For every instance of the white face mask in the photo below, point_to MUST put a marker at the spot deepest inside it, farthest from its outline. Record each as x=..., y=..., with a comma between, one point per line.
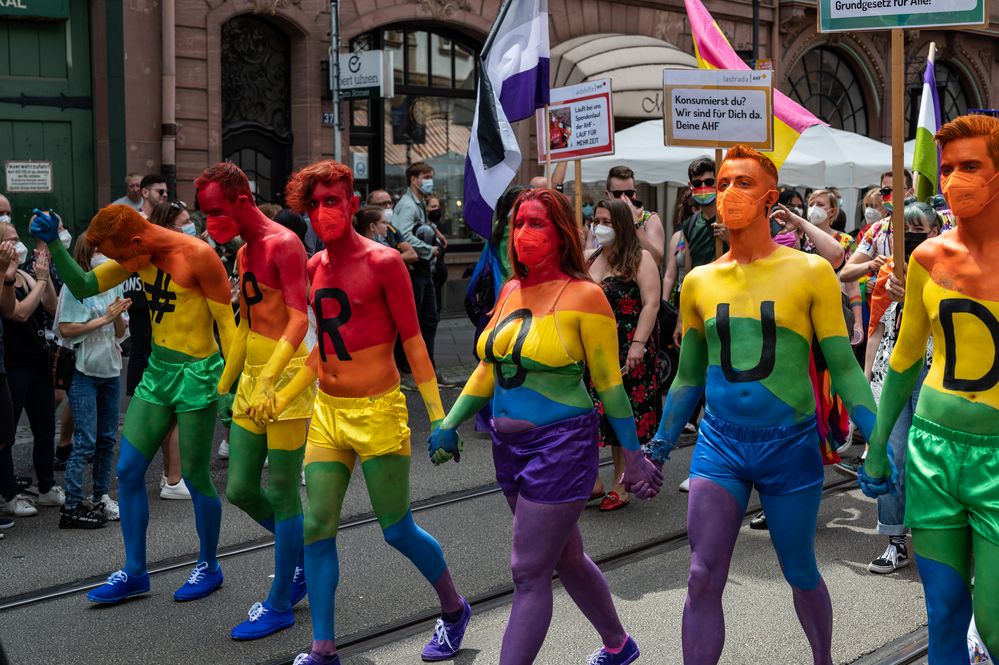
x=65, y=237
x=817, y=215
x=427, y=185
x=872, y=215
x=387, y=214
x=797, y=211
x=22, y=252
x=97, y=259
x=5, y=219
x=189, y=229
x=604, y=234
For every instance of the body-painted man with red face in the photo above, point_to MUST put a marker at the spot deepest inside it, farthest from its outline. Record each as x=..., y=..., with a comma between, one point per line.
x=952, y=468
x=748, y=323
x=188, y=292
x=550, y=320
x=268, y=349
x=363, y=300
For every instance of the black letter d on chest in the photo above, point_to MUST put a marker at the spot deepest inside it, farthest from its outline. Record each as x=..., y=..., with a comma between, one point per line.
x=768, y=352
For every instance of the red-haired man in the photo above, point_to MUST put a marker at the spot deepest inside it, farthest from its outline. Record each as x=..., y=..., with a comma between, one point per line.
x=188, y=292
x=362, y=299
x=268, y=349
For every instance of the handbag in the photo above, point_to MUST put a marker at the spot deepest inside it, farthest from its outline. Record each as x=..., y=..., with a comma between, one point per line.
x=62, y=364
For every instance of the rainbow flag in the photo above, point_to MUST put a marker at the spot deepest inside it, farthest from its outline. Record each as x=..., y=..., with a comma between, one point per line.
x=714, y=52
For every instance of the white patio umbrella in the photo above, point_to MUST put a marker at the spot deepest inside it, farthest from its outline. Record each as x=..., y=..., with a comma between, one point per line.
x=822, y=156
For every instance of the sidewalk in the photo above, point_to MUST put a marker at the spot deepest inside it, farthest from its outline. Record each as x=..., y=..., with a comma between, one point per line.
x=453, y=348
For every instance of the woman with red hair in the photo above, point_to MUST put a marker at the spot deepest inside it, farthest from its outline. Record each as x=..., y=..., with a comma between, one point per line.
x=550, y=321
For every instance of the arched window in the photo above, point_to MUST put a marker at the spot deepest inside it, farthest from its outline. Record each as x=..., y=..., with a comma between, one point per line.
x=428, y=120
x=826, y=84
x=953, y=93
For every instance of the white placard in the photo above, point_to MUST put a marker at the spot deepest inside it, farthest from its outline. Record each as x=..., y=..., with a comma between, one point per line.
x=581, y=122
x=366, y=74
x=842, y=15
x=718, y=108
x=22, y=177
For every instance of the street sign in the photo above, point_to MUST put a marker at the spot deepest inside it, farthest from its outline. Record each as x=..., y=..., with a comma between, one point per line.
x=366, y=74
x=717, y=108
x=34, y=8
x=24, y=177
x=581, y=122
x=841, y=15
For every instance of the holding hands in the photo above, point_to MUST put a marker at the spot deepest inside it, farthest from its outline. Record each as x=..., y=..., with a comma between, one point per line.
x=444, y=444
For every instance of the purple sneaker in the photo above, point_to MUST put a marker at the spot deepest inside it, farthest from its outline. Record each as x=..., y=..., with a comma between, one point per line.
x=628, y=654
x=446, y=640
x=309, y=659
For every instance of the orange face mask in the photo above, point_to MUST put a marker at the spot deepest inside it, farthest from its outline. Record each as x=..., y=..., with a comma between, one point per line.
x=738, y=209
x=967, y=193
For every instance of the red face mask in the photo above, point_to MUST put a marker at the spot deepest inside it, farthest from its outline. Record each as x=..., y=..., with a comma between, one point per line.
x=329, y=223
x=534, y=245
x=221, y=228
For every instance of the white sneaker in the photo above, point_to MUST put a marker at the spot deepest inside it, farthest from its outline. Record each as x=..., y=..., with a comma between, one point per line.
x=178, y=491
x=108, y=507
x=19, y=506
x=685, y=485
x=224, y=449
x=54, y=498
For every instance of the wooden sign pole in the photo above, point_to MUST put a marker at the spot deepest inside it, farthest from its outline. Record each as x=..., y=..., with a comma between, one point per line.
x=718, y=161
x=577, y=171
x=548, y=148
x=897, y=149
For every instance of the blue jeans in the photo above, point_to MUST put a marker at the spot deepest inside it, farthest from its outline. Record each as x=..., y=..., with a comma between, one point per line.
x=891, y=509
x=95, y=404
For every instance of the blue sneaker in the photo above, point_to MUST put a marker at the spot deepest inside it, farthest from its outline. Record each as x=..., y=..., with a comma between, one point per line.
x=298, y=588
x=201, y=583
x=263, y=621
x=446, y=640
x=120, y=585
x=309, y=659
x=629, y=654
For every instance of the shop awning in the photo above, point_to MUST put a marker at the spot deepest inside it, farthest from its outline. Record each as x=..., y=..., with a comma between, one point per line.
x=634, y=63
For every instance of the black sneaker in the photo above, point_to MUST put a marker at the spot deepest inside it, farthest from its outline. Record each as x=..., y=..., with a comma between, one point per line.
x=80, y=518
x=848, y=467
x=759, y=522
x=6, y=523
x=895, y=557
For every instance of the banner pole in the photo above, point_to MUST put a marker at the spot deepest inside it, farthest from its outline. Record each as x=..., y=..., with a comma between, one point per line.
x=718, y=161
x=897, y=149
x=577, y=172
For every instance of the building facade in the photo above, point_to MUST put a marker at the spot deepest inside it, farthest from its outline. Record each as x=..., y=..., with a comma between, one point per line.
x=101, y=88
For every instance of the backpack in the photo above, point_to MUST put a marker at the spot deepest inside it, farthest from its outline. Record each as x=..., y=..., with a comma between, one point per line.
x=484, y=286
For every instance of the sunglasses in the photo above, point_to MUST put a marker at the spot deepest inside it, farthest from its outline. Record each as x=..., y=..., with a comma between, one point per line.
x=886, y=191
x=618, y=193
x=178, y=205
x=707, y=182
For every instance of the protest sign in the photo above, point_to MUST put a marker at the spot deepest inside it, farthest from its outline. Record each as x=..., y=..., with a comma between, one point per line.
x=581, y=122
x=717, y=108
x=839, y=15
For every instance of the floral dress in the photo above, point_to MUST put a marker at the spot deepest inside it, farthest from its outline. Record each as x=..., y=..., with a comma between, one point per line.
x=641, y=383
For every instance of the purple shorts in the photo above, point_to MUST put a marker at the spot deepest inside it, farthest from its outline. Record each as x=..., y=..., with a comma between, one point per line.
x=555, y=463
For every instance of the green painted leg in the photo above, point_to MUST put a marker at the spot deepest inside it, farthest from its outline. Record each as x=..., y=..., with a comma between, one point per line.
x=247, y=452
x=987, y=592
x=325, y=485
x=196, y=431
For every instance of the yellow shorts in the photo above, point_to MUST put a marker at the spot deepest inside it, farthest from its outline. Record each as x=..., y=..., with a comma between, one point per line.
x=300, y=408
x=369, y=426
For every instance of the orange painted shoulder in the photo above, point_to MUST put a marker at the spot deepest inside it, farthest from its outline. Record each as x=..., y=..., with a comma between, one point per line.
x=584, y=296
x=951, y=265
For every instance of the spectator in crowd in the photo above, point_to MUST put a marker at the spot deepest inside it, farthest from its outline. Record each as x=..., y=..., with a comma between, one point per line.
x=921, y=222
x=95, y=326
x=292, y=221
x=409, y=215
x=370, y=223
x=174, y=216
x=621, y=185
x=874, y=248
x=439, y=265
x=701, y=229
x=154, y=192
x=26, y=359
x=8, y=255
x=270, y=210
x=629, y=278
x=133, y=196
